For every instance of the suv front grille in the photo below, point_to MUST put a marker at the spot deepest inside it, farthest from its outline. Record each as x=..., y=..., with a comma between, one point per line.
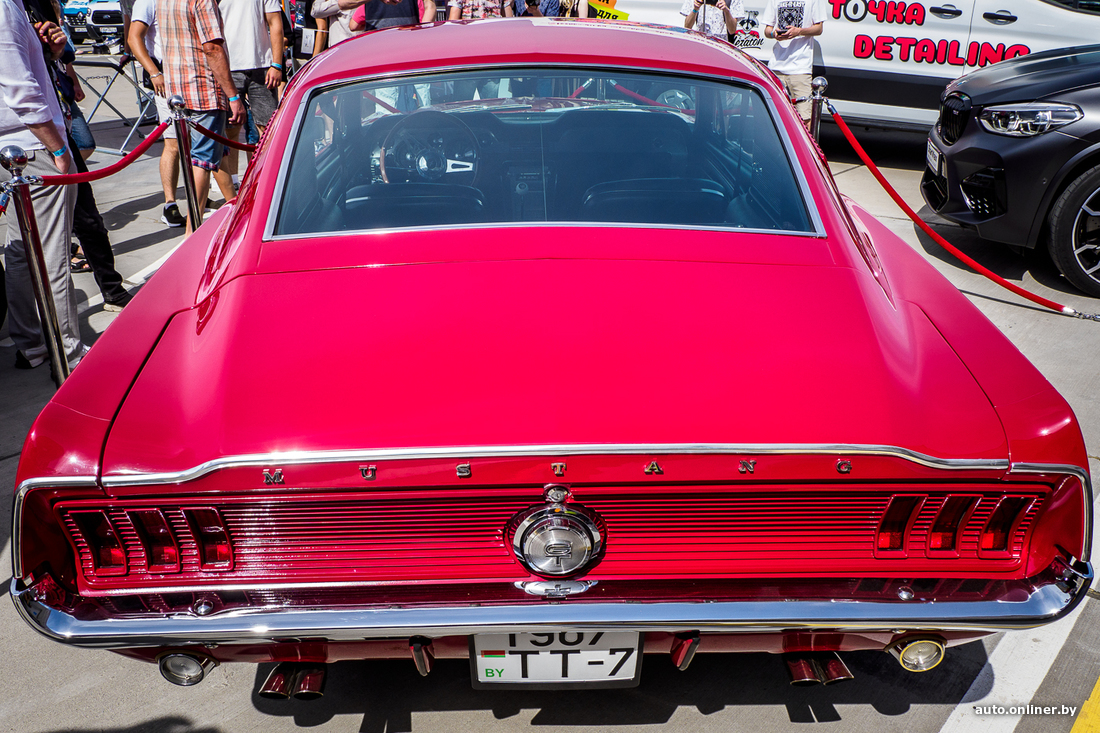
x=954, y=114
x=107, y=17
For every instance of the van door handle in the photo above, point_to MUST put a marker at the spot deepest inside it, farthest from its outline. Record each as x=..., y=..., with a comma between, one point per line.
x=947, y=11
x=1001, y=17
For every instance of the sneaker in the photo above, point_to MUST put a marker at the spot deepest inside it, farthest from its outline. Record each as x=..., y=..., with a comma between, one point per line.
x=172, y=216
x=114, y=306
x=31, y=358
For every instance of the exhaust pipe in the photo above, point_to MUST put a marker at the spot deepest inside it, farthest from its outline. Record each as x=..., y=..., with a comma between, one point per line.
x=831, y=668
x=801, y=669
x=809, y=669
x=918, y=654
x=309, y=684
x=279, y=681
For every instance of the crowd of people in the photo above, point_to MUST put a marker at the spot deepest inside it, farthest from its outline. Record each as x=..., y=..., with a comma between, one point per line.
x=228, y=60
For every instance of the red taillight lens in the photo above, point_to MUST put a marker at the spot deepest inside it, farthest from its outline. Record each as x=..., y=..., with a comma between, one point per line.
x=998, y=530
x=161, y=553
x=945, y=530
x=104, y=543
x=895, y=523
x=212, y=538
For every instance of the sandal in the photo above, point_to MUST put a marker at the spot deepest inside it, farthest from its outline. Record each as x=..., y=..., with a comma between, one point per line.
x=79, y=264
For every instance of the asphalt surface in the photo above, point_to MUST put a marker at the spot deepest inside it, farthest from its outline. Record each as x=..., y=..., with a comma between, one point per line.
x=45, y=686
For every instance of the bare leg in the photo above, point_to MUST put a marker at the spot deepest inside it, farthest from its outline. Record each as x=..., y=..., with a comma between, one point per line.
x=229, y=162
x=202, y=190
x=170, y=169
x=85, y=154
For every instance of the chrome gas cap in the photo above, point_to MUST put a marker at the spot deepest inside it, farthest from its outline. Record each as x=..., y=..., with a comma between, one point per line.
x=556, y=539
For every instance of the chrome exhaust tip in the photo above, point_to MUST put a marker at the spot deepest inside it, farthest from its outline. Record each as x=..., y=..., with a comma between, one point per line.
x=918, y=654
x=185, y=670
x=309, y=684
x=279, y=681
x=423, y=654
x=831, y=668
x=801, y=670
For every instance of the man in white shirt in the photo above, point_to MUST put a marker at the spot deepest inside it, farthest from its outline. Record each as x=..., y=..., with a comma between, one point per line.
x=793, y=24
x=31, y=117
x=254, y=42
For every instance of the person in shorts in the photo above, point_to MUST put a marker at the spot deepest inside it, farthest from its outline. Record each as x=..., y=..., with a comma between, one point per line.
x=793, y=24
x=197, y=69
x=145, y=47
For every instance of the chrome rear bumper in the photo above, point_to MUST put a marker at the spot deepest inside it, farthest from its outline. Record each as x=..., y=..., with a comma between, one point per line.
x=1043, y=603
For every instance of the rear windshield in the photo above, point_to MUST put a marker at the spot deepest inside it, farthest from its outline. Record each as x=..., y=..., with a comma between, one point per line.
x=539, y=146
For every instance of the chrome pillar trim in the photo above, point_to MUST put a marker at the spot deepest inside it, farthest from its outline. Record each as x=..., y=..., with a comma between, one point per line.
x=566, y=449
x=1044, y=604
x=1086, y=481
x=17, y=509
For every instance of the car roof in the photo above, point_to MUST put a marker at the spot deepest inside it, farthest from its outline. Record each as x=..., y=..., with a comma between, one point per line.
x=538, y=41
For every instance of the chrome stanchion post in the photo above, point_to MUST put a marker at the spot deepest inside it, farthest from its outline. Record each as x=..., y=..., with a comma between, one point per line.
x=817, y=101
x=14, y=159
x=183, y=140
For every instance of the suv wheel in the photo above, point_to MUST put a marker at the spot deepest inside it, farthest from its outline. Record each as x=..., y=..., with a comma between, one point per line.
x=1075, y=232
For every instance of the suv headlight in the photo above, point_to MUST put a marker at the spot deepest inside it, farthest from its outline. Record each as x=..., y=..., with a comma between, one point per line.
x=1027, y=120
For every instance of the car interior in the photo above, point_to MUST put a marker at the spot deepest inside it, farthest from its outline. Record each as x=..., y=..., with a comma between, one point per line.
x=549, y=147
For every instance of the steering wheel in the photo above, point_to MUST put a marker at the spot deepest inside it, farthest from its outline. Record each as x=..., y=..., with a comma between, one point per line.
x=429, y=146
x=676, y=98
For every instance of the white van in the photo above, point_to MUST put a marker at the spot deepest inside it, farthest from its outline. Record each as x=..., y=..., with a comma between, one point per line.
x=887, y=61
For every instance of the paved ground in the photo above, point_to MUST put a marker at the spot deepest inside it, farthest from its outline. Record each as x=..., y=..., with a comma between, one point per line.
x=46, y=687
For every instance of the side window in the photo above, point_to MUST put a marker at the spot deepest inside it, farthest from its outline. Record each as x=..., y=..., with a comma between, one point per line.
x=1081, y=6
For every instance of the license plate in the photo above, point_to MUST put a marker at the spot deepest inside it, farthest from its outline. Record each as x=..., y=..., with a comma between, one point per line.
x=589, y=659
x=934, y=157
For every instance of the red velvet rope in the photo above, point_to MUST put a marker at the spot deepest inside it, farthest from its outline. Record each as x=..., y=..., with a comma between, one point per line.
x=938, y=239
x=223, y=140
x=61, y=180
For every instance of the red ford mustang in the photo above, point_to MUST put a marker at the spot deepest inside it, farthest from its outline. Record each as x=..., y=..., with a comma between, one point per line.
x=546, y=345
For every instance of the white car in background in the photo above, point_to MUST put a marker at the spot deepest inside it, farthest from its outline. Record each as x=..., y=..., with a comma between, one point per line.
x=888, y=61
x=105, y=21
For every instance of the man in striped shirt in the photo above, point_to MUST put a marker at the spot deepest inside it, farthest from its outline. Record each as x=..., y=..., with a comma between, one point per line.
x=196, y=67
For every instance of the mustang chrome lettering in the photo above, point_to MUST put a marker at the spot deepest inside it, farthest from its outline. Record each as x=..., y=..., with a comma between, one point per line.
x=843, y=466
x=746, y=467
x=368, y=472
x=273, y=478
x=464, y=470
x=654, y=467
x=558, y=469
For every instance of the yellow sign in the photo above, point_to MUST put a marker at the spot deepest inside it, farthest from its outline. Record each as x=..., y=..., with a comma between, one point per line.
x=605, y=11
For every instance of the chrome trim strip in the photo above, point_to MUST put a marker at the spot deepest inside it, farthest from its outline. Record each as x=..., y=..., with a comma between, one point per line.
x=1043, y=605
x=284, y=164
x=545, y=225
x=1086, y=481
x=17, y=510
x=565, y=449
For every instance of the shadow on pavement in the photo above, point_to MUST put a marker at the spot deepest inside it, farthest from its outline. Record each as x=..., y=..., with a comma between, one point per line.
x=388, y=693
x=1000, y=258
x=167, y=724
x=888, y=149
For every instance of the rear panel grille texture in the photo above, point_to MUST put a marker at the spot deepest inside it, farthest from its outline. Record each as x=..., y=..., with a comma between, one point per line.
x=459, y=536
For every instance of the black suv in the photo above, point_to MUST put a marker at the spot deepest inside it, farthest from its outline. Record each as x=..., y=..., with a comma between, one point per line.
x=1016, y=156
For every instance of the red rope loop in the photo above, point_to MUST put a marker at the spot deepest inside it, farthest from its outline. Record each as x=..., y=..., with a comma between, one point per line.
x=223, y=140
x=1038, y=299
x=62, y=180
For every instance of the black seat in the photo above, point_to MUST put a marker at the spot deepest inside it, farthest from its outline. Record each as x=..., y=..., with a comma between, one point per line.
x=390, y=205
x=656, y=201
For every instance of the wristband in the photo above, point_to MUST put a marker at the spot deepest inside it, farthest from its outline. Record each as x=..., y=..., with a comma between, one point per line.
x=60, y=151
x=159, y=73
x=235, y=98
x=277, y=66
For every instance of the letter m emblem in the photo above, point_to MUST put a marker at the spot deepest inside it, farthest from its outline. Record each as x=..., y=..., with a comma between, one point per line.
x=273, y=478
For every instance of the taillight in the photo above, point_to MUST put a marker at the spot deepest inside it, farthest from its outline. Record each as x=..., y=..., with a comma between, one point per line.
x=944, y=534
x=104, y=543
x=161, y=552
x=212, y=538
x=895, y=523
x=998, y=530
